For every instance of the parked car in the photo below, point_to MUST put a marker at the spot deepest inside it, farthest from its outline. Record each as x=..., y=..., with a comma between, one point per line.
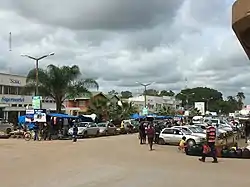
x=204, y=126
x=6, y=127
x=86, y=129
x=106, y=128
x=192, y=129
x=174, y=135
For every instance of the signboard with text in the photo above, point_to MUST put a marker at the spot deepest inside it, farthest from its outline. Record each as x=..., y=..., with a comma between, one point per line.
x=6, y=99
x=36, y=115
x=200, y=106
x=40, y=115
x=36, y=102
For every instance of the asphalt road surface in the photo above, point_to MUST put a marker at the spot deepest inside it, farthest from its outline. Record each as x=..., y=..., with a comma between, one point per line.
x=117, y=161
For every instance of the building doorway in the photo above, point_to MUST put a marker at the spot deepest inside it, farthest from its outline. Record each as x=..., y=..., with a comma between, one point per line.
x=12, y=117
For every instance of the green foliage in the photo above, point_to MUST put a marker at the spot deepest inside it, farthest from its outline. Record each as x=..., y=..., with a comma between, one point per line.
x=167, y=93
x=194, y=112
x=106, y=110
x=113, y=92
x=165, y=111
x=153, y=92
x=212, y=98
x=59, y=83
x=126, y=94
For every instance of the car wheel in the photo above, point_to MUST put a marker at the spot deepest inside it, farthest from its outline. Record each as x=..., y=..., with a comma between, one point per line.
x=161, y=141
x=191, y=142
x=85, y=134
x=97, y=133
x=8, y=131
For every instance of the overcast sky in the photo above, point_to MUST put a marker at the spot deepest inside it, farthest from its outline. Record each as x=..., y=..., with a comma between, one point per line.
x=119, y=42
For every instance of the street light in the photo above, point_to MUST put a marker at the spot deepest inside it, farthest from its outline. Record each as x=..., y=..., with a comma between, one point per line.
x=187, y=97
x=37, y=61
x=145, y=90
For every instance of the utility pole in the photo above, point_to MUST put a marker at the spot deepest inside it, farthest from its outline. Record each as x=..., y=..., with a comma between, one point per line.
x=37, y=63
x=145, y=90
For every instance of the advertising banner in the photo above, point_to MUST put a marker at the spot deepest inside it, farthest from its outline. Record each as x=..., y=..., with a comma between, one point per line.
x=40, y=115
x=36, y=102
x=200, y=106
x=35, y=115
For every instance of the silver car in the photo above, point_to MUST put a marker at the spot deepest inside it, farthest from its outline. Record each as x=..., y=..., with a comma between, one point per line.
x=6, y=127
x=86, y=129
x=174, y=135
x=106, y=128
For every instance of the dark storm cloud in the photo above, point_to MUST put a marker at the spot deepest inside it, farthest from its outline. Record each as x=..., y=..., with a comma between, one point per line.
x=120, y=42
x=98, y=14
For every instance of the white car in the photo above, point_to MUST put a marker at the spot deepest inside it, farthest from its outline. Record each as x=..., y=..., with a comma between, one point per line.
x=86, y=129
x=222, y=125
x=204, y=127
x=174, y=135
x=193, y=130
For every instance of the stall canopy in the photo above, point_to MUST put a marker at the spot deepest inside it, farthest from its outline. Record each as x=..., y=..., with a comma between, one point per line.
x=136, y=116
x=62, y=115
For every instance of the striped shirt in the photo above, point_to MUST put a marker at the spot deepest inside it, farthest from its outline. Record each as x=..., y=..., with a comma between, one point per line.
x=211, y=134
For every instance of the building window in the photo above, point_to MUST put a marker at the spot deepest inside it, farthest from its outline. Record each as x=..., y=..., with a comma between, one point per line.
x=14, y=105
x=1, y=89
x=13, y=90
x=20, y=105
x=19, y=91
x=6, y=90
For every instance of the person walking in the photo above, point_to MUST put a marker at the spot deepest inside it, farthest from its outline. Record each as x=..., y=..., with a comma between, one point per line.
x=75, y=132
x=45, y=131
x=211, y=138
x=150, y=134
x=36, y=130
x=157, y=133
x=142, y=132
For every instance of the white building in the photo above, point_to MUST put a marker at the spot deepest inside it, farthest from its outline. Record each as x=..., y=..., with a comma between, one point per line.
x=12, y=102
x=154, y=103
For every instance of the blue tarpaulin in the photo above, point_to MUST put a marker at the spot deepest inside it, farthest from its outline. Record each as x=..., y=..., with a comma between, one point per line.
x=61, y=115
x=136, y=116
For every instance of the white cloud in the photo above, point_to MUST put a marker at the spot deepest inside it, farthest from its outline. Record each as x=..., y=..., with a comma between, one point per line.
x=121, y=42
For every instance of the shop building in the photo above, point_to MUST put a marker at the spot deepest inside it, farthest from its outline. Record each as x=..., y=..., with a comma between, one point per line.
x=12, y=102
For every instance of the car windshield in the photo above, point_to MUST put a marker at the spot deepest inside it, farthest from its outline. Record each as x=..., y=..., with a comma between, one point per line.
x=193, y=129
x=101, y=124
x=187, y=132
x=214, y=121
x=196, y=129
x=82, y=124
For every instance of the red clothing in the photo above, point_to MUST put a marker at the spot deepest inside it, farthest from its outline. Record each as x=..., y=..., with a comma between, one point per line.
x=150, y=131
x=211, y=134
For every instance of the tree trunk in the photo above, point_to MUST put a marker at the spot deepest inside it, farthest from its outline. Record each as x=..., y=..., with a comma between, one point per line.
x=58, y=105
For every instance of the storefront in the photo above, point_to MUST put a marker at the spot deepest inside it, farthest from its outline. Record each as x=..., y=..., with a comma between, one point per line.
x=13, y=106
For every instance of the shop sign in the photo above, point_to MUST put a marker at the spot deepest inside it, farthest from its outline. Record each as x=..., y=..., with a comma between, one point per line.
x=12, y=100
x=15, y=81
x=36, y=102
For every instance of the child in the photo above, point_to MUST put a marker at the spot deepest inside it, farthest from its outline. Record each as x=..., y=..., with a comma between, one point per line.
x=182, y=144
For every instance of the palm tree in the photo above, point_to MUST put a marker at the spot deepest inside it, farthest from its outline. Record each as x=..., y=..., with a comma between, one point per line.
x=59, y=83
x=240, y=97
x=230, y=99
x=99, y=106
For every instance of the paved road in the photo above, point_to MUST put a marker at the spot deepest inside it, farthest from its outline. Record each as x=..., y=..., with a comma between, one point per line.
x=111, y=162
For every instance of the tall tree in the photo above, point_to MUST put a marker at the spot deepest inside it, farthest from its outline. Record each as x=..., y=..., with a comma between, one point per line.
x=113, y=92
x=126, y=94
x=59, y=83
x=151, y=92
x=240, y=97
x=207, y=95
x=167, y=93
